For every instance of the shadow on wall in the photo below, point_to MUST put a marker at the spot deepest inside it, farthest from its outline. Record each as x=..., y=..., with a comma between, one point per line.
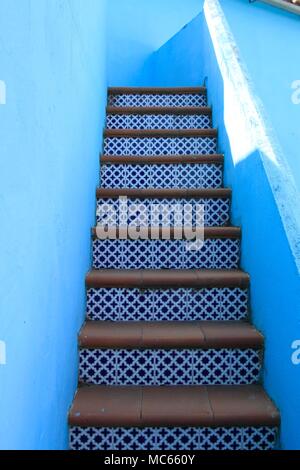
x=272, y=56
x=266, y=253
x=275, y=284
x=180, y=61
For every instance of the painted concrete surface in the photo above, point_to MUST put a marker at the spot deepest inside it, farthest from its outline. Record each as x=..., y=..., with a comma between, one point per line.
x=53, y=64
x=136, y=29
x=180, y=61
x=266, y=251
x=271, y=53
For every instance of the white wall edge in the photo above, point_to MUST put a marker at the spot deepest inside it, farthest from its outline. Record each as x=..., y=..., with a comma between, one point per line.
x=2, y=353
x=283, y=5
x=262, y=135
x=2, y=92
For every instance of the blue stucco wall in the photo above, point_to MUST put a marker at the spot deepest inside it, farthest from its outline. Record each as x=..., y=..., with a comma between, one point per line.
x=53, y=66
x=269, y=55
x=136, y=29
x=272, y=55
x=53, y=62
x=180, y=61
x=266, y=252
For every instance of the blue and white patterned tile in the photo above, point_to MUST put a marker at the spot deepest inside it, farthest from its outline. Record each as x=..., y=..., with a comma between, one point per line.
x=157, y=121
x=148, y=100
x=169, y=367
x=188, y=438
x=162, y=176
x=112, y=304
x=216, y=212
x=152, y=146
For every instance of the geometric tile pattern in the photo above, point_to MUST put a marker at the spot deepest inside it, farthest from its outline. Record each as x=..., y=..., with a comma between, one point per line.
x=161, y=367
x=120, y=304
x=189, y=176
x=157, y=121
x=133, y=100
x=165, y=254
x=216, y=212
x=170, y=367
x=152, y=146
x=188, y=438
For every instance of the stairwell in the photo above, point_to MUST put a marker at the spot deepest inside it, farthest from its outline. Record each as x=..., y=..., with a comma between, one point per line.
x=168, y=357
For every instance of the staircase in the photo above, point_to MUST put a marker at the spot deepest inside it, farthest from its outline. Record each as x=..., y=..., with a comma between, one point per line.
x=168, y=358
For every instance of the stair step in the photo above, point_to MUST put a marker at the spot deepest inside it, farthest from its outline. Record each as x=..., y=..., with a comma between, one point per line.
x=162, y=159
x=238, y=417
x=165, y=133
x=165, y=193
x=210, y=233
x=170, y=353
x=145, y=295
x=170, y=278
x=163, y=176
x=173, y=406
x=160, y=97
x=170, y=335
x=157, y=90
x=165, y=202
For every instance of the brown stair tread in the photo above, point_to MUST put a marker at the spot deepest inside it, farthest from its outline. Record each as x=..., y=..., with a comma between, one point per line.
x=162, y=159
x=140, y=133
x=99, y=406
x=209, y=232
x=182, y=110
x=168, y=335
x=157, y=90
x=218, y=193
x=167, y=278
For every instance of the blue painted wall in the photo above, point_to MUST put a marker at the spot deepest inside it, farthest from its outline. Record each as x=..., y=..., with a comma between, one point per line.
x=50, y=139
x=272, y=55
x=136, y=29
x=269, y=54
x=53, y=62
x=266, y=253
x=180, y=61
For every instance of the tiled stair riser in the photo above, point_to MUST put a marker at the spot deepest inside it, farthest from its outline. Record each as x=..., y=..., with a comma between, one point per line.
x=148, y=100
x=168, y=176
x=156, y=121
x=170, y=367
x=165, y=254
x=149, y=212
x=178, y=438
x=151, y=146
x=118, y=304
